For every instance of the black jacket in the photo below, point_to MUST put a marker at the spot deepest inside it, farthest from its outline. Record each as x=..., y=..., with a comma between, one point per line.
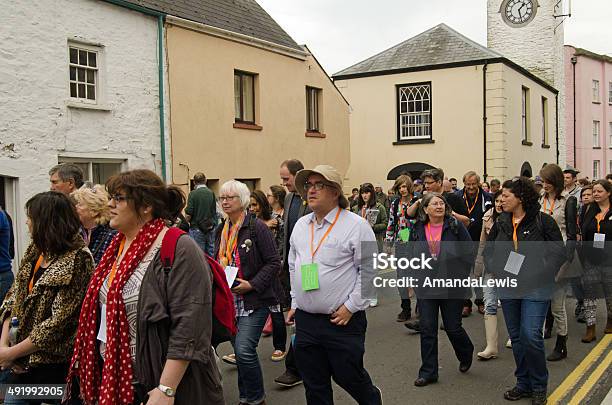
x=482, y=205
x=539, y=240
x=259, y=262
x=587, y=252
x=456, y=258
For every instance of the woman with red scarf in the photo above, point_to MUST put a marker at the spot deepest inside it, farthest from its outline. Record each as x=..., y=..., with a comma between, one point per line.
x=144, y=333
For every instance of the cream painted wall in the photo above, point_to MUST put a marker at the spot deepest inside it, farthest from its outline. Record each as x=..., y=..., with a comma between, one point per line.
x=201, y=79
x=456, y=124
x=516, y=153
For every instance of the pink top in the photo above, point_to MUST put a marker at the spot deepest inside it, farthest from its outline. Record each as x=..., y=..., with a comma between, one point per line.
x=433, y=233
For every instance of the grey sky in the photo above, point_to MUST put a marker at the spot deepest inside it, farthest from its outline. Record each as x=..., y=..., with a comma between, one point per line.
x=343, y=32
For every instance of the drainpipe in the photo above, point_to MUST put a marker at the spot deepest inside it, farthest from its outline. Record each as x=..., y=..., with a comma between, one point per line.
x=574, y=60
x=557, y=125
x=160, y=69
x=484, y=119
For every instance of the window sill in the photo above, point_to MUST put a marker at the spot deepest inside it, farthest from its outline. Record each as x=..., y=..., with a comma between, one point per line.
x=596, y=102
x=527, y=143
x=87, y=106
x=315, y=134
x=544, y=146
x=244, y=125
x=596, y=147
x=413, y=141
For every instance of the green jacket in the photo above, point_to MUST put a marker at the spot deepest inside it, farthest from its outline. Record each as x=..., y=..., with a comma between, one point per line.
x=202, y=208
x=380, y=226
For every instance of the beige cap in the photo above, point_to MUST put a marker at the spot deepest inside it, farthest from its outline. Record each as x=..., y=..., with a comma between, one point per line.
x=329, y=173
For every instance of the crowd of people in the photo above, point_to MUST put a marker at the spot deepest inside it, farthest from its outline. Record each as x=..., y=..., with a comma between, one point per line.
x=112, y=299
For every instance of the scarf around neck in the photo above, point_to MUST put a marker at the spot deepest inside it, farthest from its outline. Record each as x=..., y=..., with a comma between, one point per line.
x=229, y=240
x=112, y=385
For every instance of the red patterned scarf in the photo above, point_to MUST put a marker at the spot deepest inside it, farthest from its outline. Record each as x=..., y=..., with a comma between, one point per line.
x=113, y=384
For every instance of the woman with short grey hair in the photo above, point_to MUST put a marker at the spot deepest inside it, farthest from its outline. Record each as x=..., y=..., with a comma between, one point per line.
x=245, y=247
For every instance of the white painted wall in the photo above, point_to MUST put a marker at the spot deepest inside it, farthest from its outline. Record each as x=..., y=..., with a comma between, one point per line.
x=37, y=126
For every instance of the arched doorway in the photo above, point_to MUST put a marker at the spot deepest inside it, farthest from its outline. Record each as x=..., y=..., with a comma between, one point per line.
x=526, y=170
x=414, y=169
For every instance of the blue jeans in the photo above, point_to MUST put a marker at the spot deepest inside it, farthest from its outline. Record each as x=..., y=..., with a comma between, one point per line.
x=524, y=320
x=6, y=281
x=250, y=376
x=490, y=298
x=204, y=240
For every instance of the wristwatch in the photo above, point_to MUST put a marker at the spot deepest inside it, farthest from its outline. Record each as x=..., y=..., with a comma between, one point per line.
x=169, y=392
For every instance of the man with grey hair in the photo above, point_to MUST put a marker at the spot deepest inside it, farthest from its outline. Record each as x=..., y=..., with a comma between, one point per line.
x=325, y=265
x=201, y=213
x=65, y=178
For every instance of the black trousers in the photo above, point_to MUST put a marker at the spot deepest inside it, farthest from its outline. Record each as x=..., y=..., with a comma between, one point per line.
x=451, y=316
x=324, y=351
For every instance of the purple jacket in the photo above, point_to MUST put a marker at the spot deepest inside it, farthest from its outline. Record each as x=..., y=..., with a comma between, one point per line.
x=260, y=263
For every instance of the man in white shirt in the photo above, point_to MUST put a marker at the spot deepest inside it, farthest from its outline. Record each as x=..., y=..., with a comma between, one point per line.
x=327, y=304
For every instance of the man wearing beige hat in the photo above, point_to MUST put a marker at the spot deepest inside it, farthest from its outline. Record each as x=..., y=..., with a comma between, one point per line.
x=325, y=267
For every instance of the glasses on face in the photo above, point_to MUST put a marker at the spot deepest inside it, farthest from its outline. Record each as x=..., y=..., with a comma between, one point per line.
x=429, y=183
x=227, y=198
x=119, y=197
x=437, y=204
x=319, y=185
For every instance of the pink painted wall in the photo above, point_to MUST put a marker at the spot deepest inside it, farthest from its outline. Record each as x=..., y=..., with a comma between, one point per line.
x=587, y=111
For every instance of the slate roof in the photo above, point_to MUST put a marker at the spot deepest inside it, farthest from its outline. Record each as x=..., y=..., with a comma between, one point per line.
x=240, y=16
x=440, y=45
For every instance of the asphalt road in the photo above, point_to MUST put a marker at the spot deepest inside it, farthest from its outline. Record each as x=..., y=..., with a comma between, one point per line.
x=393, y=359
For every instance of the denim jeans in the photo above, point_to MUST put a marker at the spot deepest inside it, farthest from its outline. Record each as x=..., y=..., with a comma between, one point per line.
x=490, y=298
x=6, y=281
x=250, y=376
x=204, y=240
x=524, y=320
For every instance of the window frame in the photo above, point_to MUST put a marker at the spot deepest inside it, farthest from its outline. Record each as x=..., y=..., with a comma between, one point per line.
x=400, y=140
x=525, y=116
x=596, y=134
x=316, y=109
x=596, y=169
x=545, y=125
x=596, y=90
x=98, y=70
x=610, y=136
x=90, y=161
x=242, y=74
x=610, y=93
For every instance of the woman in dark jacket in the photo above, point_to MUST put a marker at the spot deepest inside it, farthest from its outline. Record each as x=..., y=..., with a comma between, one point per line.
x=145, y=331
x=518, y=234
x=597, y=256
x=245, y=246
x=451, y=261
x=46, y=296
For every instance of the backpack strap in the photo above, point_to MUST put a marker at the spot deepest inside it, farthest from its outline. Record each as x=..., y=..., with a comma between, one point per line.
x=168, y=247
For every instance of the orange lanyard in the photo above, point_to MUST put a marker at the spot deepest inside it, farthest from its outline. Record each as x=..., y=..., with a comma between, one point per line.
x=36, y=268
x=111, y=276
x=546, y=203
x=475, y=201
x=514, y=235
x=599, y=217
x=363, y=212
x=433, y=239
x=313, y=251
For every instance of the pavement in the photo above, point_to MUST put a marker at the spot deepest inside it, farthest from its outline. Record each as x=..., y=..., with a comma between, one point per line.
x=393, y=358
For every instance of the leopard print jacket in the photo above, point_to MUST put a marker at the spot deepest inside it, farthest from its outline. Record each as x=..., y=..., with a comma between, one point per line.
x=49, y=315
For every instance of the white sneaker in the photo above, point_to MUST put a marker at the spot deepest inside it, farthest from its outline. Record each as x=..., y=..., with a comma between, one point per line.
x=509, y=344
x=373, y=302
x=229, y=359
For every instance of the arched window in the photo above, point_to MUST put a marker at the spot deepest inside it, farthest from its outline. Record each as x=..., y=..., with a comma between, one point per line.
x=414, y=111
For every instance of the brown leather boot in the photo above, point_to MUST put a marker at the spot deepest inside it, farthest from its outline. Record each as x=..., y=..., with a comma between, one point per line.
x=590, y=334
x=609, y=326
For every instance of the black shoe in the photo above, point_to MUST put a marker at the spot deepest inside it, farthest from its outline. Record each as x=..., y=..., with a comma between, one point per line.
x=539, y=398
x=579, y=309
x=560, y=350
x=288, y=380
x=403, y=316
x=515, y=394
x=414, y=326
x=464, y=366
x=421, y=382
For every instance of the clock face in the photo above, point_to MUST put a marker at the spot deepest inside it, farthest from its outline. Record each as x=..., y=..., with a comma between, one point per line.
x=518, y=13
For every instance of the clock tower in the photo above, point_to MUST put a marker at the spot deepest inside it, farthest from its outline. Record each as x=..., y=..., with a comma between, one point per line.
x=530, y=33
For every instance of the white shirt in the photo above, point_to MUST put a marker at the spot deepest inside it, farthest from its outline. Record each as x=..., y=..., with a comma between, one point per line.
x=338, y=259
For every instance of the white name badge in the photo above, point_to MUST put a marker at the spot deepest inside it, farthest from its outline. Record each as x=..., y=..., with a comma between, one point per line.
x=514, y=263
x=102, y=330
x=599, y=241
x=230, y=274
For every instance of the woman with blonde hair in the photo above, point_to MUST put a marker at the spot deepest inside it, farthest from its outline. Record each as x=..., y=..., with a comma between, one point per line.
x=94, y=214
